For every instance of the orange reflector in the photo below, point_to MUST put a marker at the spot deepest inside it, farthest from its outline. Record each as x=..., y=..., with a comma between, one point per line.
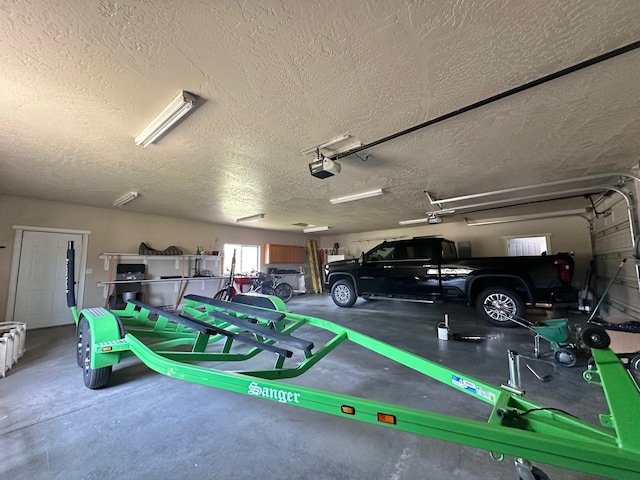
x=107, y=349
x=386, y=418
x=348, y=410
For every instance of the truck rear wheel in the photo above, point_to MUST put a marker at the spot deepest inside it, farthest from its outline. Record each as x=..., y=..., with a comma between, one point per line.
x=343, y=293
x=497, y=305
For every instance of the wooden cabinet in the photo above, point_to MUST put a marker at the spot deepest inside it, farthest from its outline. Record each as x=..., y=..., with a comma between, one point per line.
x=289, y=254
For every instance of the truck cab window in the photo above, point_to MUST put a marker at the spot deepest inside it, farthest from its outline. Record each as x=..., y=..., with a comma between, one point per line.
x=385, y=252
x=448, y=251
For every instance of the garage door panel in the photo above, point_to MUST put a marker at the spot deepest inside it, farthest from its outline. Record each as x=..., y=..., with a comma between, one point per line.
x=613, y=241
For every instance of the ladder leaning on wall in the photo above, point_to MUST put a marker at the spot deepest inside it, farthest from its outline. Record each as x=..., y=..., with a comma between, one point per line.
x=316, y=279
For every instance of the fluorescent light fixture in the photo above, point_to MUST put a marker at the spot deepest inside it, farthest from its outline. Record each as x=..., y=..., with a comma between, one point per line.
x=315, y=229
x=524, y=218
x=431, y=220
x=126, y=198
x=357, y=196
x=250, y=218
x=172, y=113
x=333, y=141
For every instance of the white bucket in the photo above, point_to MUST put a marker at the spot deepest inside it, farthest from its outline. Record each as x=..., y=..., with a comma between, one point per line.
x=443, y=331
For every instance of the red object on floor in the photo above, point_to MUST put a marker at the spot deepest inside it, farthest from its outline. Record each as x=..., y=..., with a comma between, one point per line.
x=243, y=282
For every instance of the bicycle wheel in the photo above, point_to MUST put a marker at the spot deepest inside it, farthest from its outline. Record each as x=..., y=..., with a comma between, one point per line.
x=221, y=295
x=284, y=291
x=265, y=290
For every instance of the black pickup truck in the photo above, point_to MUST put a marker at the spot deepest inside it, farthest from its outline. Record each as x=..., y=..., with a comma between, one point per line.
x=429, y=270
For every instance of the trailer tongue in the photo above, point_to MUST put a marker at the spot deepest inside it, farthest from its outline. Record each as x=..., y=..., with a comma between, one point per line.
x=208, y=330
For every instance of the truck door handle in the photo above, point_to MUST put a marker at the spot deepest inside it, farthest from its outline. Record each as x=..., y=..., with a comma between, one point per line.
x=388, y=266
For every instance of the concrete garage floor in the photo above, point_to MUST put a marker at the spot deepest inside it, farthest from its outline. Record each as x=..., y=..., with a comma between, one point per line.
x=147, y=426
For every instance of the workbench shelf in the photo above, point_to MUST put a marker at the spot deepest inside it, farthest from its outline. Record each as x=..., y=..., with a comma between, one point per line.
x=182, y=263
x=215, y=260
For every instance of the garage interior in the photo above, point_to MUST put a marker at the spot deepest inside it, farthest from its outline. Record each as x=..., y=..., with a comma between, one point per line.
x=483, y=123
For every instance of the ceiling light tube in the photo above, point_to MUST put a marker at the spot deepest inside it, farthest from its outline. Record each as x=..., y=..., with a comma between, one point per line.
x=172, y=113
x=315, y=229
x=339, y=139
x=126, y=198
x=432, y=219
x=357, y=196
x=250, y=218
x=522, y=218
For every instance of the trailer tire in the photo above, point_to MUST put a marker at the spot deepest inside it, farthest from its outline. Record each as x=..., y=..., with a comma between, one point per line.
x=94, y=378
x=79, y=348
x=538, y=474
x=634, y=363
x=497, y=305
x=343, y=293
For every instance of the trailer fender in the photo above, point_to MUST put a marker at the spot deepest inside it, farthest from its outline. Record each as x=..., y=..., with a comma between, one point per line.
x=104, y=326
x=260, y=300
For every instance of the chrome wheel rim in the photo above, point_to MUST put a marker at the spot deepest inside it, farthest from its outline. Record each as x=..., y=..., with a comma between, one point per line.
x=342, y=293
x=500, y=307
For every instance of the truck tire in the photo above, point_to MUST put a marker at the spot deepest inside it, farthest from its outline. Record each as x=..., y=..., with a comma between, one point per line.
x=343, y=293
x=497, y=305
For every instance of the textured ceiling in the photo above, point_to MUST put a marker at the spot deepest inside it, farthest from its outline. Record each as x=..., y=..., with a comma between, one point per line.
x=80, y=79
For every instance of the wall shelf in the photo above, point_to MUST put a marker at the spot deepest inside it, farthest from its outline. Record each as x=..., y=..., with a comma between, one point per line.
x=176, y=281
x=182, y=263
x=216, y=259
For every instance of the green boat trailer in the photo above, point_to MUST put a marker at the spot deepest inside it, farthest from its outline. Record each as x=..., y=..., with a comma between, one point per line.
x=208, y=330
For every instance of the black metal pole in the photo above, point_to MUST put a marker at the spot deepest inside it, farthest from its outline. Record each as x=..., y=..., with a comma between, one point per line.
x=70, y=274
x=494, y=98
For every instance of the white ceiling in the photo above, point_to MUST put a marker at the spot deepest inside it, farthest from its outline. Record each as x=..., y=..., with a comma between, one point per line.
x=80, y=79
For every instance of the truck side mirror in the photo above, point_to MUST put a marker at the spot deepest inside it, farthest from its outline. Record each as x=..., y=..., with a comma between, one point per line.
x=361, y=259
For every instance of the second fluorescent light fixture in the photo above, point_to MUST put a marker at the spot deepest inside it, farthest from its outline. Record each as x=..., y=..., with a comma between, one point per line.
x=250, y=218
x=315, y=229
x=126, y=198
x=357, y=196
x=432, y=219
x=172, y=113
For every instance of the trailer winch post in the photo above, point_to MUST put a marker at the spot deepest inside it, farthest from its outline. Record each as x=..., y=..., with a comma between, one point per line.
x=70, y=281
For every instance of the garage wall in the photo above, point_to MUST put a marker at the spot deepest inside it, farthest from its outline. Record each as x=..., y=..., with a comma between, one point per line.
x=118, y=231
x=613, y=241
x=567, y=234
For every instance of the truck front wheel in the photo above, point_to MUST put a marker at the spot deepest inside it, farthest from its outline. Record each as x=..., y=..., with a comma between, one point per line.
x=497, y=305
x=343, y=293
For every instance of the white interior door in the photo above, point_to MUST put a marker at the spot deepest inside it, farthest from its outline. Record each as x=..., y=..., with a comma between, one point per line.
x=41, y=286
x=523, y=246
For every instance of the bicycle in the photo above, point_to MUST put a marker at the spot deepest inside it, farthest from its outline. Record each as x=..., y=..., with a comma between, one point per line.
x=260, y=284
x=272, y=287
x=282, y=289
